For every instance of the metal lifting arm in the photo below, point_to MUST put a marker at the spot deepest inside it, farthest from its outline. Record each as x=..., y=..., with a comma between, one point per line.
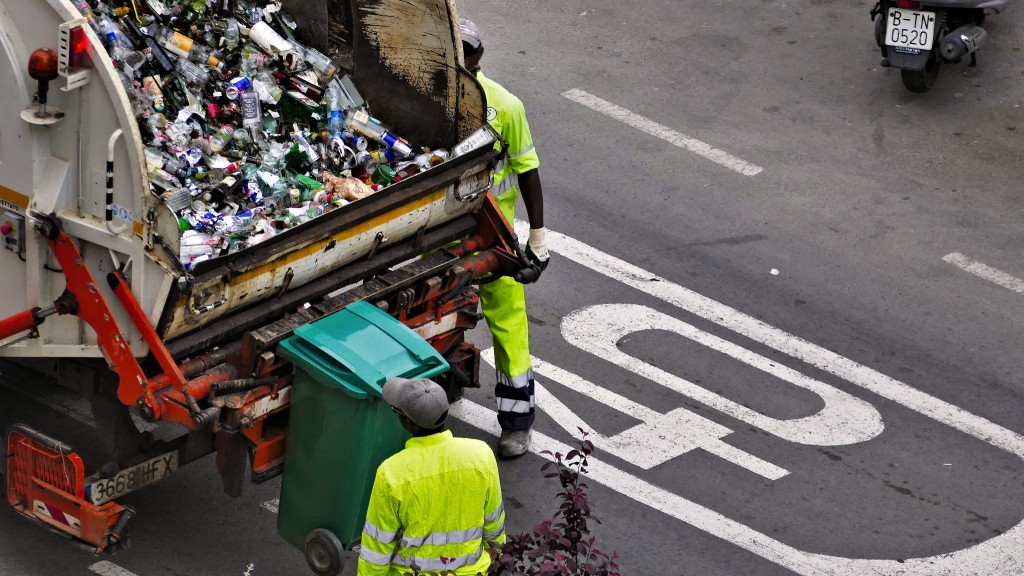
x=25, y=321
x=82, y=298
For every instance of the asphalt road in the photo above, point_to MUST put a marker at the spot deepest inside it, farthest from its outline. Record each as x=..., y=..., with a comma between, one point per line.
x=786, y=370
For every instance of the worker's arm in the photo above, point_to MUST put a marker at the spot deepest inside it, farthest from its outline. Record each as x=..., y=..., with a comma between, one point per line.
x=494, y=509
x=533, y=197
x=525, y=162
x=381, y=532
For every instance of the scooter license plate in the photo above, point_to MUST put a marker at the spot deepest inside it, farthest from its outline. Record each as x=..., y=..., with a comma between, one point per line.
x=914, y=29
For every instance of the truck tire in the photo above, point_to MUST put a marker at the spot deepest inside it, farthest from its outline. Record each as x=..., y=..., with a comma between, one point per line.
x=324, y=552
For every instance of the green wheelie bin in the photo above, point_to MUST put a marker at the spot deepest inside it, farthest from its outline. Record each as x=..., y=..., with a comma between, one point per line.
x=339, y=427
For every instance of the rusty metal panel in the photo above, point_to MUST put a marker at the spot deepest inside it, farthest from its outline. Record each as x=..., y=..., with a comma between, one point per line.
x=406, y=60
x=317, y=19
x=407, y=63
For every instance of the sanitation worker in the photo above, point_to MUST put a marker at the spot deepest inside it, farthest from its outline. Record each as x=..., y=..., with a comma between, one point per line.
x=436, y=504
x=503, y=301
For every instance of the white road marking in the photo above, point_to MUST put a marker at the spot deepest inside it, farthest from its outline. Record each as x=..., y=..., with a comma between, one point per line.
x=664, y=132
x=844, y=418
x=985, y=272
x=108, y=568
x=998, y=556
x=271, y=505
x=656, y=440
x=758, y=331
x=995, y=557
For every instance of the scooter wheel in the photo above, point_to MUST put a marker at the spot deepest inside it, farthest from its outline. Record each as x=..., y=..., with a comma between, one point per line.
x=324, y=553
x=921, y=81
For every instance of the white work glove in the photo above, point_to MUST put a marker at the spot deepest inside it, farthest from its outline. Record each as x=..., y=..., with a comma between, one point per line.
x=537, y=248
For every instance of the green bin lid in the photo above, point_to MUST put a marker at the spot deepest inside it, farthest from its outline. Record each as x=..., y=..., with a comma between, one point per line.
x=360, y=347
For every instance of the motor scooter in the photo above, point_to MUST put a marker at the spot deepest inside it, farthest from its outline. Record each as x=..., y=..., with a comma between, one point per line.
x=918, y=36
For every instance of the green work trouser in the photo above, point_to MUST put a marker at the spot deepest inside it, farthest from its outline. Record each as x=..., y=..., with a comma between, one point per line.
x=503, y=303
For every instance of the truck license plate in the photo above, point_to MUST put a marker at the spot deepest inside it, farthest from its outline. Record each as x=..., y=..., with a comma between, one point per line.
x=131, y=479
x=910, y=29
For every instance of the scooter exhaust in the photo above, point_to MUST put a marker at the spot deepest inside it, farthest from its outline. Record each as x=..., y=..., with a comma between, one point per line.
x=961, y=42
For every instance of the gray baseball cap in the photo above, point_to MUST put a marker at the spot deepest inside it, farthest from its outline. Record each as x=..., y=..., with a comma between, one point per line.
x=470, y=33
x=421, y=400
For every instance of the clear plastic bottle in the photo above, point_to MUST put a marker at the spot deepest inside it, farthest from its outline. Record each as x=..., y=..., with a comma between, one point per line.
x=177, y=199
x=321, y=63
x=336, y=110
x=174, y=42
x=86, y=10
x=193, y=245
x=204, y=55
x=113, y=35
x=139, y=102
x=242, y=138
x=132, y=60
x=192, y=73
x=304, y=145
x=220, y=140
x=267, y=88
x=163, y=178
x=156, y=124
x=185, y=47
x=231, y=34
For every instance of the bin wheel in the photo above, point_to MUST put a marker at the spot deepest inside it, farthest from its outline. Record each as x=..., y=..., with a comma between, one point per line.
x=324, y=552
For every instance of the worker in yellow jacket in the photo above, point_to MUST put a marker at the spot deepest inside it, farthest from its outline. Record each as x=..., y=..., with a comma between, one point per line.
x=503, y=301
x=436, y=505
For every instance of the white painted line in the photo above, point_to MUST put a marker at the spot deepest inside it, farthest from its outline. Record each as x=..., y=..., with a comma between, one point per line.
x=758, y=331
x=985, y=272
x=656, y=440
x=271, y=505
x=995, y=557
x=107, y=568
x=664, y=132
x=730, y=453
x=843, y=419
x=998, y=556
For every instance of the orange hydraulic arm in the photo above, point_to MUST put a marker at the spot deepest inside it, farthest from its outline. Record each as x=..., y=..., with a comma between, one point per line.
x=82, y=298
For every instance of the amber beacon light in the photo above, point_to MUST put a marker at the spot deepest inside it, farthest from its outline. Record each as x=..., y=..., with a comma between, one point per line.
x=42, y=67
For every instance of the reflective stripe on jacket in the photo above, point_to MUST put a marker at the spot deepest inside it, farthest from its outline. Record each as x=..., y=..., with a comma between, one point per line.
x=438, y=498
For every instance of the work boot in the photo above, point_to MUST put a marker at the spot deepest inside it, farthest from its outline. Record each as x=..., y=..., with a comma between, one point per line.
x=514, y=443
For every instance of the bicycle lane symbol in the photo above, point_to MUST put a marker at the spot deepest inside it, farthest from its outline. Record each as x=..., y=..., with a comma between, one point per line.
x=993, y=556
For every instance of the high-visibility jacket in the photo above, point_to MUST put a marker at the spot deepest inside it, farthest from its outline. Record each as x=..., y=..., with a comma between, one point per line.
x=438, y=498
x=507, y=115
x=503, y=302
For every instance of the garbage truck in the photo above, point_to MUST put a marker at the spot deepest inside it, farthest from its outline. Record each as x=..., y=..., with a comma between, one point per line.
x=111, y=163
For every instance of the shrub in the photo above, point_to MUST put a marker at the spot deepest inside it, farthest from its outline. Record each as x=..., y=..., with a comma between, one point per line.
x=562, y=545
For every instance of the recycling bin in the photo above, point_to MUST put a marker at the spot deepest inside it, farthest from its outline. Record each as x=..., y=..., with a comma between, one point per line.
x=340, y=429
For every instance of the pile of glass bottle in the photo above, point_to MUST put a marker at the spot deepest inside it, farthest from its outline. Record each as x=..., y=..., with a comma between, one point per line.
x=247, y=131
